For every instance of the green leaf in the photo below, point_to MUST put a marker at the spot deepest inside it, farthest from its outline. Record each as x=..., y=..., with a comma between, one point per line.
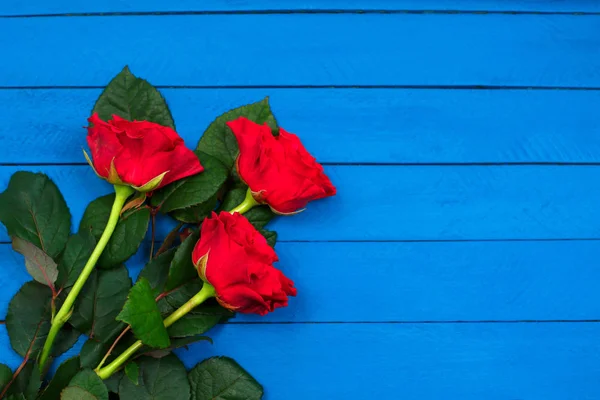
x=128, y=235
x=218, y=140
x=271, y=236
x=160, y=379
x=126, y=239
x=33, y=209
x=182, y=267
x=197, y=190
x=86, y=385
x=5, y=376
x=19, y=396
x=28, y=321
x=259, y=216
x=157, y=270
x=133, y=98
x=132, y=371
x=67, y=337
x=193, y=199
x=171, y=238
x=199, y=321
x=177, y=343
x=141, y=312
x=39, y=264
x=192, y=215
x=79, y=249
x=93, y=351
x=27, y=382
x=96, y=215
x=31, y=381
x=234, y=197
x=99, y=303
x=113, y=382
x=179, y=296
x=223, y=378
x=65, y=372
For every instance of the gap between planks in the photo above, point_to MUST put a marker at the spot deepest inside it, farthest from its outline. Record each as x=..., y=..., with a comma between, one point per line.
x=305, y=11
x=336, y=87
x=371, y=164
x=424, y=322
x=3, y=242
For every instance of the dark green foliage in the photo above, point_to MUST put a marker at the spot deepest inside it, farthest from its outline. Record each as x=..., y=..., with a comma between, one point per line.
x=39, y=264
x=78, y=251
x=86, y=385
x=128, y=235
x=99, y=302
x=65, y=372
x=28, y=321
x=223, y=378
x=182, y=267
x=159, y=379
x=141, y=312
x=218, y=140
x=133, y=98
x=33, y=209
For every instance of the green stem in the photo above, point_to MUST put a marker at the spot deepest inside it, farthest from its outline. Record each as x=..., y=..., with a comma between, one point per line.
x=247, y=204
x=63, y=315
x=205, y=293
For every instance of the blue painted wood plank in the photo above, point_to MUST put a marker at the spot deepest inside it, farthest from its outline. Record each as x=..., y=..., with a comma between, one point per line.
x=17, y=7
x=415, y=361
x=469, y=281
x=315, y=49
x=408, y=361
x=356, y=126
x=414, y=203
x=533, y=361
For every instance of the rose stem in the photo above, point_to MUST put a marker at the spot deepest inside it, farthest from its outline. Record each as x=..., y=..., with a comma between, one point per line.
x=205, y=293
x=25, y=360
x=160, y=296
x=195, y=301
x=114, y=345
x=169, y=240
x=121, y=195
x=153, y=213
x=246, y=205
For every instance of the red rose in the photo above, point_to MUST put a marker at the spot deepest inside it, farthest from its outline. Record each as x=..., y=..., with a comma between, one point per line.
x=235, y=258
x=278, y=169
x=139, y=153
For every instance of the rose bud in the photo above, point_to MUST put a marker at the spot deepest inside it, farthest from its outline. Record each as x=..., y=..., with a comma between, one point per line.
x=278, y=169
x=235, y=258
x=140, y=154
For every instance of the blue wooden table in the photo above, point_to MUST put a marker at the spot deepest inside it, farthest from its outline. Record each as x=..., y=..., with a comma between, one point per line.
x=461, y=257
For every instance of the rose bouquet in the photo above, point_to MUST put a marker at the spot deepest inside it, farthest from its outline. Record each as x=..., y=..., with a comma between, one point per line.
x=218, y=258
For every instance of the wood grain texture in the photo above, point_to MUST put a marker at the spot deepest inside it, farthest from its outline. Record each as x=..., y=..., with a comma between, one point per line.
x=312, y=49
x=17, y=7
x=356, y=126
x=412, y=361
x=412, y=203
x=404, y=282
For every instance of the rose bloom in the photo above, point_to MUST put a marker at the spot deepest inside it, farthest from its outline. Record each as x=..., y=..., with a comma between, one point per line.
x=278, y=169
x=235, y=258
x=139, y=153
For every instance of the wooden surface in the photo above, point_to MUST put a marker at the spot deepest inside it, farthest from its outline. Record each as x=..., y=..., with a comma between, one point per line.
x=460, y=259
